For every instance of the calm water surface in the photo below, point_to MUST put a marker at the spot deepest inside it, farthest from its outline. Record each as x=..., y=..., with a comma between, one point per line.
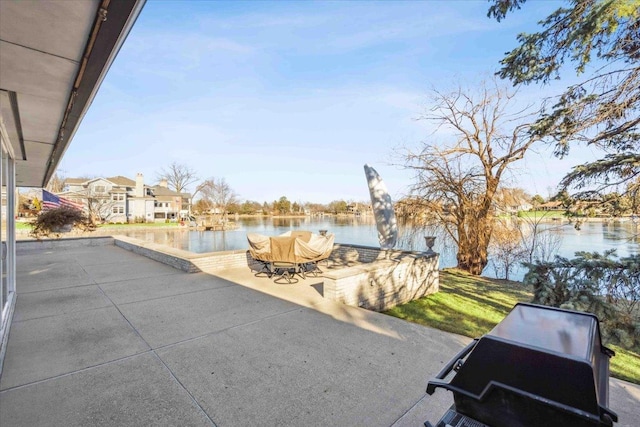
x=593, y=236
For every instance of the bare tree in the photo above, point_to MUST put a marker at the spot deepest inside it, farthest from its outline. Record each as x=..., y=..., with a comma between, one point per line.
x=546, y=245
x=217, y=194
x=56, y=183
x=99, y=206
x=519, y=240
x=457, y=180
x=178, y=176
x=542, y=241
x=507, y=248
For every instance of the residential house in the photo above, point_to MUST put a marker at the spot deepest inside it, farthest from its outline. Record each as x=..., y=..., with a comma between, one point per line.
x=120, y=199
x=358, y=209
x=554, y=205
x=510, y=201
x=169, y=204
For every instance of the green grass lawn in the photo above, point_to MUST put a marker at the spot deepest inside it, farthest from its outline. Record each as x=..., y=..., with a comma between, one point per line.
x=472, y=306
x=541, y=214
x=23, y=226
x=27, y=226
x=146, y=224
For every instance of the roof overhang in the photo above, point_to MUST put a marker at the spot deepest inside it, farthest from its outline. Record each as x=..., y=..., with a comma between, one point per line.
x=53, y=58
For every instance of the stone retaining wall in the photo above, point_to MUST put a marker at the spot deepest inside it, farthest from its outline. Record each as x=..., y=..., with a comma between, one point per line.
x=185, y=260
x=379, y=280
x=23, y=246
x=358, y=254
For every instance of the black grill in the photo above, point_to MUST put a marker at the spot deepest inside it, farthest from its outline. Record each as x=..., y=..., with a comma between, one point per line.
x=539, y=366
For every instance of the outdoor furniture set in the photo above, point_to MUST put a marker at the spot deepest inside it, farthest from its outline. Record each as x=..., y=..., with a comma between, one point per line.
x=290, y=254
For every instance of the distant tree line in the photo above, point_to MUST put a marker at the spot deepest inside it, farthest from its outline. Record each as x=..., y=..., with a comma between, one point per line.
x=215, y=195
x=283, y=206
x=611, y=204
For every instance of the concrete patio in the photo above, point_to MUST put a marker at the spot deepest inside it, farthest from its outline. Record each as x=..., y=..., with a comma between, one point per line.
x=102, y=336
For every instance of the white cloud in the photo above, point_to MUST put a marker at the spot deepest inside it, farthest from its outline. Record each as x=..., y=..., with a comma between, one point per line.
x=264, y=20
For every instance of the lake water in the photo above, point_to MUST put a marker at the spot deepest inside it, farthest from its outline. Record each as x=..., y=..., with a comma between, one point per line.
x=592, y=236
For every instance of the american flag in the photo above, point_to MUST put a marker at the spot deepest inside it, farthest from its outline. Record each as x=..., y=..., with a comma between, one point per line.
x=51, y=201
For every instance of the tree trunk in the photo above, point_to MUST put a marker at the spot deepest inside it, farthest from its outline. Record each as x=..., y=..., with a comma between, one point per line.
x=473, y=246
x=472, y=259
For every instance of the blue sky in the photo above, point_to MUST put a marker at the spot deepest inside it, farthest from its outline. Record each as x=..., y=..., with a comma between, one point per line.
x=293, y=98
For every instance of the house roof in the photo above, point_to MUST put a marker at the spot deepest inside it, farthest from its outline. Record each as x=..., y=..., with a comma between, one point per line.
x=53, y=58
x=75, y=180
x=122, y=180
x=159, y=190
x=116, y=180
x=97, y=179
x=552, y=204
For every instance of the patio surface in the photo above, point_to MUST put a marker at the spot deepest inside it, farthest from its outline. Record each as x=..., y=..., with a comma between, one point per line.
x=102, y=336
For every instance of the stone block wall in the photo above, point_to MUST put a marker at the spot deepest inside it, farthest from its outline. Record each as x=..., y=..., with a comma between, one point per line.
x=172, y=257
x=189, y=261
x=23, y=246
x=349, y=255
x=227, y=259
x=391, y=278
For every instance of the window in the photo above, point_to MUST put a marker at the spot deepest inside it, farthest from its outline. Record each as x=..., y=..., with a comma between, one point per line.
x=121, y=209
x=99, y=188
x=115, y=209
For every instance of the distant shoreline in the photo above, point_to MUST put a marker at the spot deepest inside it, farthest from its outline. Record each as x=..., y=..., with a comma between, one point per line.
x=583, y=219
x=175, y=226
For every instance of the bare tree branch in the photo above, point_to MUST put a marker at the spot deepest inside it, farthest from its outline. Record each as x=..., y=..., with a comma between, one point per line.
x=457, y=180
x=178, y=176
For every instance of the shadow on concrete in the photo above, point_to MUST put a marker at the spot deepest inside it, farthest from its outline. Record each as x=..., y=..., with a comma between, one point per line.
x=319, y=287
x=226, y=348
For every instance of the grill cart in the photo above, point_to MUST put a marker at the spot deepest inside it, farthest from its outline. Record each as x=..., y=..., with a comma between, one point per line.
x=540, y=366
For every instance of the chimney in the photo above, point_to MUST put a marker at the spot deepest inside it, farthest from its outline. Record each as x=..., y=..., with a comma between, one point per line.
x=139, y=185
x=164, y=183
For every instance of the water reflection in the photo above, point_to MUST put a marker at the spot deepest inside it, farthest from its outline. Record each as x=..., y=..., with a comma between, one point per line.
x=592, y=236
x=600, y=236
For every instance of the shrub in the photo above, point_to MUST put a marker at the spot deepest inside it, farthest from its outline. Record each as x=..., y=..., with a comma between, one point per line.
x=53, y=221
x=507, y=248
x=599, y=284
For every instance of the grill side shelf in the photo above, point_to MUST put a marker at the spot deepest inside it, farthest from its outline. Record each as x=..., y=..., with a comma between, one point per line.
x=432, y=385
